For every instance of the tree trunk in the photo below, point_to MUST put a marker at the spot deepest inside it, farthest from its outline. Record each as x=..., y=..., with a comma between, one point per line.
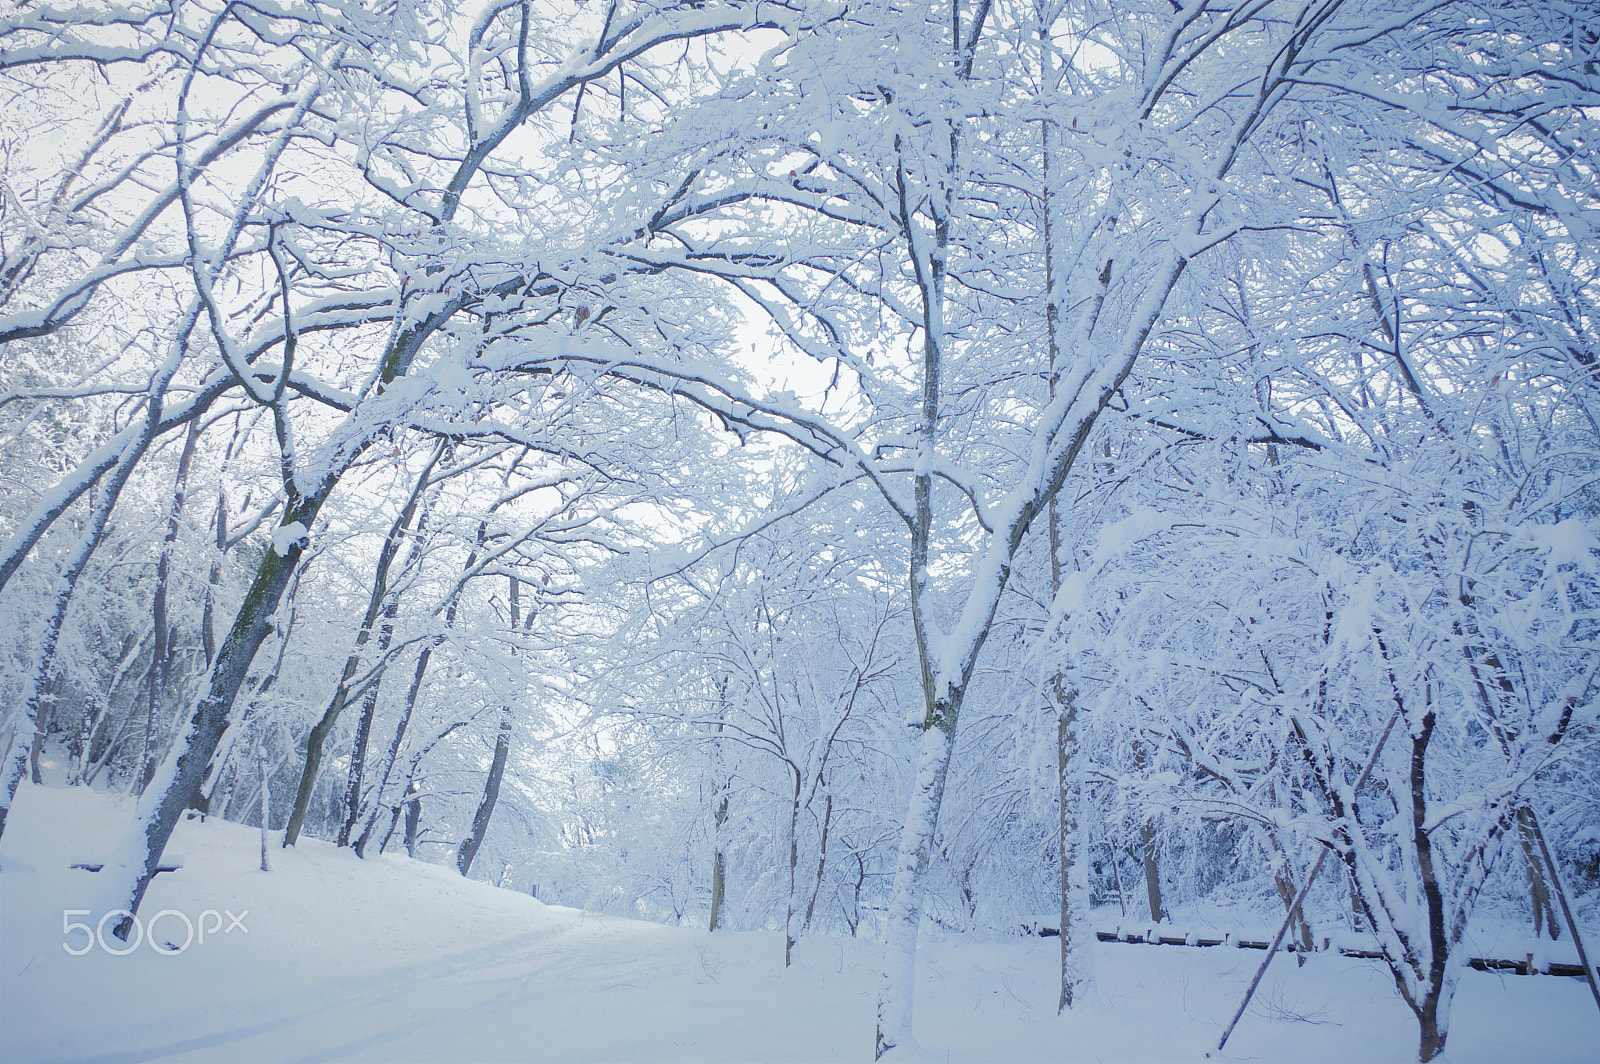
x=47, y=713
x=262, y=686
x=719, y=815
x=208, y=615
x=1434, y=1009
x=413, y=826
x=896, y=991
x=491, y=792
x=718, y=862
x=185, y=766
x=34, y=749
x=313, y=762
x=412, y=692
x=1152, y=871
x=266, y=804
x=1544, y=914
x=1074, y=881
x=1433, y=1036
x=1076, y=960
x=502, y=745
x=822, y=863
x=911, y=866
x=790, y=934
x=94, y=709
x=394, y=819
x=369, y=701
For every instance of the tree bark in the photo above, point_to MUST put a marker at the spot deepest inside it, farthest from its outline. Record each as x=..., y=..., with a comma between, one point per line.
x=35, y=748
x=719, y=817
x=911, y=866
x=1068, y=837
x=718, y=869
x=413, y=826
x=941, y=708
x=822, y=862
x=1152, y=871
x=1566, y=909
x=266, y=804
x=396, y=744
x=208, y=615
x=1433, y=1010
x=1147, y=849
x=1544, y=913
x=1075, y=956
x=491, y=793
x=790, y=934
x=314, y=743
x=502, y=749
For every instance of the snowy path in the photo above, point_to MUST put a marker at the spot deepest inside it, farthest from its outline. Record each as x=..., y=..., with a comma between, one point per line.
x=395, y=960
x=586, y=993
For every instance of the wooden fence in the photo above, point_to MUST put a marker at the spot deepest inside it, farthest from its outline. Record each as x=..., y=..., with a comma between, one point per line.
x=1159, y=936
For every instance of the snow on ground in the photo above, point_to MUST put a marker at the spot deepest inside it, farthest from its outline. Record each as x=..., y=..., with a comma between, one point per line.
x=397, y=960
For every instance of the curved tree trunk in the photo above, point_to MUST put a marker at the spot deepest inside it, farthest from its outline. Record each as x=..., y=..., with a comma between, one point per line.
x=186, y=765
x=497, y=768
x=491, y=793
x=502, y=745
x=822, y=864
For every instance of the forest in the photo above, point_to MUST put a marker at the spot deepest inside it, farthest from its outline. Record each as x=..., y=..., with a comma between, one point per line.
x=1150, y=444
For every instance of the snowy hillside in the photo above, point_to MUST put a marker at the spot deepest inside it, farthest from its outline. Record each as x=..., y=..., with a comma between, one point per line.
x=396, y=960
